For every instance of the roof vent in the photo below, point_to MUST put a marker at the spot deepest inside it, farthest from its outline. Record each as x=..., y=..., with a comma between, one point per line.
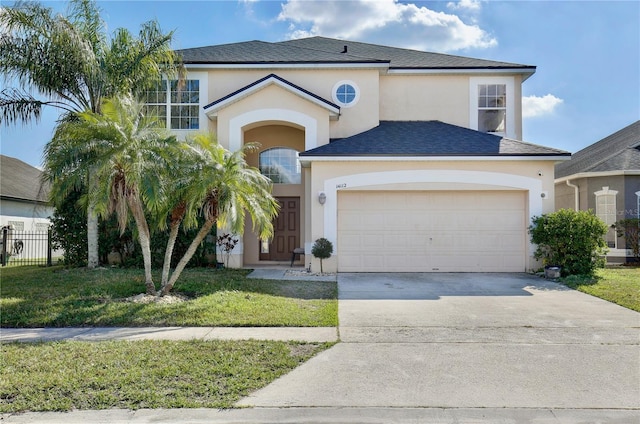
x=344, y=50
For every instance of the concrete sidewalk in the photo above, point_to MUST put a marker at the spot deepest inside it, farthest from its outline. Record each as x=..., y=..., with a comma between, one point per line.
x=302, y=334
x=329, y=416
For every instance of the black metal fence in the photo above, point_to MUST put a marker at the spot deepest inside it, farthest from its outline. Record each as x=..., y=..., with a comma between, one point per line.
x=25, y=247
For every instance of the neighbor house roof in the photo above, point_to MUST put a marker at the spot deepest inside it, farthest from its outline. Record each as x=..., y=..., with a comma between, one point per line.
x=21, y=181
x=322, y=50
x=618, y=152
x=428, y=138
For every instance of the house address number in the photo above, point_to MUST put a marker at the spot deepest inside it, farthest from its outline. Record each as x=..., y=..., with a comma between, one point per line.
x=343, y=185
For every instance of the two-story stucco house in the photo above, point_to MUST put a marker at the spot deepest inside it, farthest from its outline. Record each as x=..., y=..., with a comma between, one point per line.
x=405, y=160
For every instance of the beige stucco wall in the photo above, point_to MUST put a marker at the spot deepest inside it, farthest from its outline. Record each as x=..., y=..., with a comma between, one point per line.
x=271, y=105
x=353, y=120
x=279, y=116
x=382, y=97
x=535, y=176
x=420, y=98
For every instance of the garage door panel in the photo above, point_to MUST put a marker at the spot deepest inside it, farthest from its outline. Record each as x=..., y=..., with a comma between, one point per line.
x=511, y=242
x=431, y=231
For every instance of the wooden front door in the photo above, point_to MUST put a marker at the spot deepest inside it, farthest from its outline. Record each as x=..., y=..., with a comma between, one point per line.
x=286, y=231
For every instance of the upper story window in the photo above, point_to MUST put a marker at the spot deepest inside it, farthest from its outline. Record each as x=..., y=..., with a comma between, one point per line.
x=492, y=108
x=176, y=104
x=492, y=105
x=281, y=165
x=606, y=211
x=346, y=93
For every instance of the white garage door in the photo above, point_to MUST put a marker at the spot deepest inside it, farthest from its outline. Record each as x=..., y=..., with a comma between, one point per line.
x=431, y=231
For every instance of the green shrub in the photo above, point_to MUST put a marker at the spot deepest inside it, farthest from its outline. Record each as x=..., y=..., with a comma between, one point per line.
x=570, y=239
x=69, y=230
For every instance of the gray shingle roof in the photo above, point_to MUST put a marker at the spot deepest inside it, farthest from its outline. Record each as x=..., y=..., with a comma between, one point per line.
x=428, y=138
x=398, y=57
x=619, y=151
x=251, y=52
x=330, y=50
x=19, y=180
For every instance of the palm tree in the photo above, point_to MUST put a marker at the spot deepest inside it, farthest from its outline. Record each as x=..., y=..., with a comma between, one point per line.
x=223, y=188
x=127, y=153
x=71, y=65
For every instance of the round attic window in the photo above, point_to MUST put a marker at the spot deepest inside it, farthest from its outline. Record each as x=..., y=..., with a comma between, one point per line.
x=346, y=93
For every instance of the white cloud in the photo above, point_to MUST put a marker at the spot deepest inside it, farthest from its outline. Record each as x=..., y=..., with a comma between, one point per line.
x=534, y=106
x=384, y=22
x=469, y=5
x=247, y=5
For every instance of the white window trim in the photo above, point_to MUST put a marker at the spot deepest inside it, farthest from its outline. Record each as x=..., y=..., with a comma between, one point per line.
x=474, y=82
x=202, y=77
x=202, y=117
x=638, y=204
x=335, y=98
x=607, y=192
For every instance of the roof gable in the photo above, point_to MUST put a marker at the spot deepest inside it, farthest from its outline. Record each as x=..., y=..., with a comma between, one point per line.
x=272, y=79
x=616, y=152
x=19, y=180
x=428, y=139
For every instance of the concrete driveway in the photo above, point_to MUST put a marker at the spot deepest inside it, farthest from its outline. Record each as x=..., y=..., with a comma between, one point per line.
x=471, y=341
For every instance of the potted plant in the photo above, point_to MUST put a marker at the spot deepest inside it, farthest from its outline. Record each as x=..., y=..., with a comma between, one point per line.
x=322, y=249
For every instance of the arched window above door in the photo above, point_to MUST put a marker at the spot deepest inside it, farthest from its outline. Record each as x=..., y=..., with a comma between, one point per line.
x=281, y=165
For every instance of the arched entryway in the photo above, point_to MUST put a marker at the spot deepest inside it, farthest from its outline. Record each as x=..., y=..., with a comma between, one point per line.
x=279, y=144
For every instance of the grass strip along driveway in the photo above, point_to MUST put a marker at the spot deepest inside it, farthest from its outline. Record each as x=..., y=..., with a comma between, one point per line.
x=62, y=376
x=57, y=297
x=620, y=285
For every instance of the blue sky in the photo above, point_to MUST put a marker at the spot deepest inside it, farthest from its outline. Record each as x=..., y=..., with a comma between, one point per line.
x=587, y=53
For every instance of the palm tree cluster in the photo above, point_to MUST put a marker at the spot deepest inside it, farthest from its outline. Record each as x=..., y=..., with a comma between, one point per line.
x=69, y=63
x=128, y=162
x=142, y=170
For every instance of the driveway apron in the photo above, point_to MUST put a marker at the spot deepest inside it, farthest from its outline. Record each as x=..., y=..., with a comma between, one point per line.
x=468, y=341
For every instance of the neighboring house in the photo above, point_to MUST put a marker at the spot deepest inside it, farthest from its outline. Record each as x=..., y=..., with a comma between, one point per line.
x=24, y=213
x=405, y=160
x=604, y=177
x=23, y=199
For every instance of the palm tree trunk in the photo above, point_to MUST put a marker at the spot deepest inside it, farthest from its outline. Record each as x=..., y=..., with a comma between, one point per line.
x=177, y=214
x=92, y=238
x=144, y=237
x=166, y=266
x=206, y=228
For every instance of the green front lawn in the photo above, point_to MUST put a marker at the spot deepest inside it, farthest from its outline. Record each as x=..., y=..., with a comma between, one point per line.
x=63, y=376
x=57, y=297
x=618, y=285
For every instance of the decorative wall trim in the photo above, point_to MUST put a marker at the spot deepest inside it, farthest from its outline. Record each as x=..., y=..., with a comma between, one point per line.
x=236, y=124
